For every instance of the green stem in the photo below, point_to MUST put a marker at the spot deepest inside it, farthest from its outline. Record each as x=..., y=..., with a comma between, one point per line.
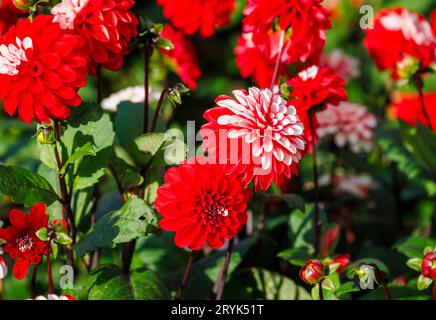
x=185, y=276
x=49, y=274
x=420, y=86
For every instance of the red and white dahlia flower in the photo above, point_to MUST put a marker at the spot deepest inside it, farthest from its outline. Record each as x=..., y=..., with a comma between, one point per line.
x=401, y=41
x=183, y=57
x=106, y=25
x=55, y=297
x=41, y=70
x=348, y=124
x=22, y=244
x=202, y=204
x=344, y=66
x=203, y=16
x=257, y=135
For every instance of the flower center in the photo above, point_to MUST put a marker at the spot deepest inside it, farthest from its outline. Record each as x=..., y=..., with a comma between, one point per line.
x=216, y=210
x=24, y=243
x=13, y=55
x=213, y=208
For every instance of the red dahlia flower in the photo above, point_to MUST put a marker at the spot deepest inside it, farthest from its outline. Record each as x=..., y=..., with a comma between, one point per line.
x=257, y=135
x=304, y=21
x=203, y=16
x=9, y=15
x=202, y=204
x=183, y=56
x=315, y=87
x=253, y=63
x=348, y=123
x=41, y=69
x=428, y=267
x=312, y=271
x=106, y=25
x=22, y=244
x=407, y=107
x=401, y=41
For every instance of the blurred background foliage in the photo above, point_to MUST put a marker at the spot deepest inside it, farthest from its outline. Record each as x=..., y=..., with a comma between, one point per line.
x=402, y=202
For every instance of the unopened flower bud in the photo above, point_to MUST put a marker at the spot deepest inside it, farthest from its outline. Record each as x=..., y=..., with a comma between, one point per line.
x=407, y=67
x=312, y=271
x=428, y=266
x=3, y=268
x=46, y=135
x=24, y=4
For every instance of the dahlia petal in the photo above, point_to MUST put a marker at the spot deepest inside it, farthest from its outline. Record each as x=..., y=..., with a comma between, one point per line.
x=38, y=217
x=21, y=268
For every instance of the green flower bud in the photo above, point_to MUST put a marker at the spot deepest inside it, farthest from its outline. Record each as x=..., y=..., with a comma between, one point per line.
x=45, y=135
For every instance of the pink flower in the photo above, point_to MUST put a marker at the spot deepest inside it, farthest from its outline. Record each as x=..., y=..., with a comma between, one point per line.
x=344, y=66
x=257, y=135
x=348, y=124
x=357, y=185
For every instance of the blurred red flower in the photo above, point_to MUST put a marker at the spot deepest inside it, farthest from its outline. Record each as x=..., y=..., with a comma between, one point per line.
x=202, y=204
x=183, y=56
x=257, y=135
x=401, y=41
x=9, y=15
x=253, y=63
x=203, y=16
x=304, y=22
x=106, y=25
x=315, y=87
x=41, y=69
x=342, y=259
x=22, y=244
x=407, y=107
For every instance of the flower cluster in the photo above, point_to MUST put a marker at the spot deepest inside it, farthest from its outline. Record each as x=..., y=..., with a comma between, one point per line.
x=348, y=124
x=303, y=23
x=401, y=41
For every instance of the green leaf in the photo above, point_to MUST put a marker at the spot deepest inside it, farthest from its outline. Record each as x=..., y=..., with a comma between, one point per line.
x=25, y=186
x=128, y=175
x=415, y=264
x=413, y=247
x=421, y=142
x=89, y=125
x=141, y=284
x=164, y=43
x=151, y=147
x=296, y=256
x=423, y=282
x=63, y=239
x=77, y=156
x=346, y=288
x=333, y=267
x=274, y=286
x=42, y=234
x=135, y=219
x=328, y=284
x=129, y=122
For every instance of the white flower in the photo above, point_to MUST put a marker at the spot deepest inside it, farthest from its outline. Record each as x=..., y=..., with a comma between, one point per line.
x=344, y=66
x=348, y=123
x=131, y=94
x=3, y=269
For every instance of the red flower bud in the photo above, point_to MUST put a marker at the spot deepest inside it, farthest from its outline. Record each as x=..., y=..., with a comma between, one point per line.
x=342, y=259
x=428, y=266
x=312, y=271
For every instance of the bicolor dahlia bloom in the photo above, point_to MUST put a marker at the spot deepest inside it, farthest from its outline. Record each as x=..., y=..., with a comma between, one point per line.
x=348, y=124
x=401, y=41
x=312, y=271
x=183, y=57
x=202, y=204
x=41, y=70
x=257, y=135
x=203, y=16
x=407, y=107
x=356, y=185
x=9, y=15
x=315, y=87
x=106, y=25
x=252, y=62
x=3, y=268
x=55, y=297
x=428, y=266
x=339, y=63
x=22, y=244
x=304, y=23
